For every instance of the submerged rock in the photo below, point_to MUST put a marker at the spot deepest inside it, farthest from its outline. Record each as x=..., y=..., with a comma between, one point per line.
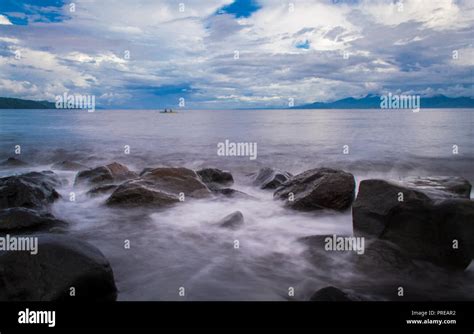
x=330, y=294
x=110, y=173
x=33, y=190
x=60, y=264
x=320, y=256
x=270, y=178
x=232, y=221
x=19, y=219
x=318, y=189
x=13, y=162
x=215, y=178
x=67, y=165
x=429, y=223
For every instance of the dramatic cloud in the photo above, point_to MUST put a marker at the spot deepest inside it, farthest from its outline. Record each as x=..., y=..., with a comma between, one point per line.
x=232, y=54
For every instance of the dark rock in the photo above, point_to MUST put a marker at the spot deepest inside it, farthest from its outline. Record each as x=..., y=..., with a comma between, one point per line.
x=30, y=190
x=61, y=263
x=440, y=186
x=110, y=173
x=330, y=294
x=318, y=189
x=13, y=162
x=14, y=219
x=269, y=178
x=232, y=193
x=317, y=254
x=382, y=256
x=177, y=180
x=232, y=221
x=215, y=178
x=422, y=224
x=140, y=193
x=159, y=187
x=69, y=166
x=100, y=190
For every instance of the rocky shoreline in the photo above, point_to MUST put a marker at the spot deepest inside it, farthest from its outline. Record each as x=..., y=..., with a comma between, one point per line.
x=408, y=225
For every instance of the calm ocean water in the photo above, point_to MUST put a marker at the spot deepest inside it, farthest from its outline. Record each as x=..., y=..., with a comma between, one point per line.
x=179, y=247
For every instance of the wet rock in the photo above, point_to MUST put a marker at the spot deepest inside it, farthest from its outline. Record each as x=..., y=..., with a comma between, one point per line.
x=100, y=190
x=136, y=193
x=61, y=263
x=232, y=221
x=13, y=162
x=318, y=189
x=440, y=186
x=383, y=256
x=176, y=181
x=110, y=173
x=30, y=190
x=21, y=219
x=232, y=193
x=330, y=294
x=159, y=187
x=215, y=178
x=419, y=221
x=67, y=165
x=270, y=178
x=321, y=257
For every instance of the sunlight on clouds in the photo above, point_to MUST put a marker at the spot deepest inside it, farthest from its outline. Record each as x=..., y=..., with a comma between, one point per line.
x=4, y=20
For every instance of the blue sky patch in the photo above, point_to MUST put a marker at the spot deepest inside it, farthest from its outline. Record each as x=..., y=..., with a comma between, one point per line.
x=241, y=8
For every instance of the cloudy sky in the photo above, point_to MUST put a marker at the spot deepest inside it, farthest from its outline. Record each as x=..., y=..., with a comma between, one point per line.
x=234, y=53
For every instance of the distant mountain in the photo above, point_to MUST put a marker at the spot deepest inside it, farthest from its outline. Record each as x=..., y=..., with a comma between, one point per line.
x=11, y=103
x=373, y=102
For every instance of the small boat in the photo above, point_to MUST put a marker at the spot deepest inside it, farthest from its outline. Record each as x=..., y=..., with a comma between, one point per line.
x=166, y=111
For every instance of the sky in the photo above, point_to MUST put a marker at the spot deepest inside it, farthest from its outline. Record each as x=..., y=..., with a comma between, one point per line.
x=223, y=54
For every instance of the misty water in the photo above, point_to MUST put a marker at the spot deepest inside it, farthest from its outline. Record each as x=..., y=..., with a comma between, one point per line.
x=181, y=246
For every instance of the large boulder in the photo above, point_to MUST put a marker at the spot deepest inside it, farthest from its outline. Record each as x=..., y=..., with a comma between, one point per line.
x=60, y=264
x=270, y=178
x=136, y=193
x=20, y=219
x=159, y=187
x=176, y=181
x=215, y=178
x=110, y=173
x=67, y=165
x=232, y=221
x=431, y=223
x=318, y=189
x=33, y=190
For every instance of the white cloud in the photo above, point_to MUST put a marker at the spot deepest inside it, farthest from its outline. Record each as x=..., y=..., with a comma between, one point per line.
x=387, y=48
x=4, y=20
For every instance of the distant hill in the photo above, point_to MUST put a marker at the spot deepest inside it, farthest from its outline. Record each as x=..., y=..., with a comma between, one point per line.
x=11, y=103
x=373, y=102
